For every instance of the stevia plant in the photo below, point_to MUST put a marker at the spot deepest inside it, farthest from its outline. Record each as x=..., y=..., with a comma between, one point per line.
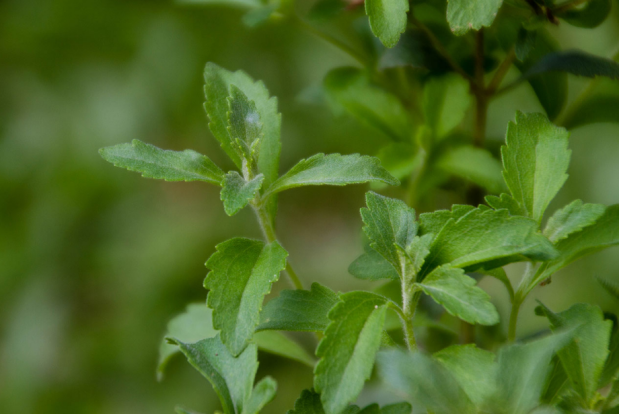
x=433, y=64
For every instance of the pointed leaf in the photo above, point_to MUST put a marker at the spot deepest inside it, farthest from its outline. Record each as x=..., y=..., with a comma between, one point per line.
x=333, y=169
x=309, y=402
x=231, y=377
x=474, y=164
x=535, y=158
x=388, y=19
x=572, y=218
x=236, y=192
x=299, y=310
x=372, y=266
x=464, y=15
x=348, y=349
x=244, y=123
x=460, y=296
x=167, y=165
x=242, y=271
x=507, y=202
x=279, y=344
x=262, y=394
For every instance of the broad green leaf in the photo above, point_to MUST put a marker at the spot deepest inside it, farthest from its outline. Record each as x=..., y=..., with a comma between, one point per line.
x=473, y=369
x=217, y=86
x=474, y=164
x=299, y=310
x=584, y=357
x=372, y=266
x=237, y=193
x=388, y=19
x=231, y=377
x=424, y=381
x=244, y=123
x=572, y=218
x=191, y=326
x=487, y=239
x=464, y=15
x=153, y=162
x=432, y=223
x=389, y=222
x=507, y=202
x=535, y=157
x=242, y=271
x=279, y=344
x=445, y=102
x=459, y=295
x=262, y=394
x=575, y=62
x=333, y=169
x=348, y=349
x=350, y=89
x=593, y=13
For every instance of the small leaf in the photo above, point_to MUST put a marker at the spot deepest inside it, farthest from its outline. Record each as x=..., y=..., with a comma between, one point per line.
x=388, y=19
x=231, y=377
x=592, y=14
x=279, y=344
x=348, y=349
x=244, y=124
x=350, y=89
x=458, y=293
x=464, y=15
x=299, y=310
x=445, y=102
x=535, y=160
x=237, y=193
x=262, y=394
x=584, y=357
x=372, y=266
x=333, y=169
x=474, y=164
x=575, y=62
x=572, y=218
x=167, y=165
x=242, y=271
x=309, y=402
x=507, y=202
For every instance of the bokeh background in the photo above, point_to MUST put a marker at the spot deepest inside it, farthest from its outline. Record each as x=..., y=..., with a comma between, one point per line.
x=94, y=260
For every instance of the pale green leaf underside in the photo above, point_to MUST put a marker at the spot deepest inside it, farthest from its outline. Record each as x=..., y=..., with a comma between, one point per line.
x=299, y=310
x=242, y=271
x=372, y=266
x=333, y=169
x=459, y=295
x=388, y=19
x=153, y=162
x=474, y=164
x=236, y=192
x=535, y=158
x=572, y=218
x=244, y=123
x=277, y=343
x=348, y=349
x=464, y=15
x=231, y=377
x=262, y=394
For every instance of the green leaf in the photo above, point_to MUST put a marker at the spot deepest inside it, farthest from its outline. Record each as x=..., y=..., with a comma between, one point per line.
x=183, y=410
x=598, y=103
x=299, y=310
x=432, y=223
x=262, y=394
x=191, y=326
x=396, y=408
x=231, y=377
x=535, y=157
x=333, y=169
x=507, y=202
x=388, y=19
x=464, y=15
x=415, y=50
x=610, y=370
x=350, y=89
x=279, y=344
x=348, y=349
x=474, y=164
x=593, y=13
x=472, y=367
x=242, y=271
x=584, y=357
x=399, y=159
x=237, y=193
x=244, y=124
x=487, y=239
x=167, y=165
x=445, y=102
x=424, y=381
x=309, y=402
x=458, y=293
x=575, y=62
x=372, y=266
x=218, y=83
x=389, y=222
x=572, y=218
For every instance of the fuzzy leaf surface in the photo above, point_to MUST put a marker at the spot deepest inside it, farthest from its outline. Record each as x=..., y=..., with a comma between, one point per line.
x=572, y=218
x=348, y=349
x=507, y=202
x=244, y=123
x=458, y=293
x=153, y=162
x=464, y=15
x=242, y=271
x=299, y=310
x=236, y=192
x=333, y=169
x=388, y=19
x=279, y=344
x=262, y=394
x=535, y=157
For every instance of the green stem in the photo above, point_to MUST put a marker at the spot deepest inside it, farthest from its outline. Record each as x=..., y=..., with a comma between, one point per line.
x=410, y=302
x=519, y=297
x=514, y=316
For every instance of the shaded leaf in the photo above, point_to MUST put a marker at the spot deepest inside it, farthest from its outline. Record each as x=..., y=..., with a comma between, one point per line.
x=593, y=13
x=598, y=103
x=372, y=266
x=464, y=15
x=388, y=19
x=572, y=218
x=413, y=50
x=309, y=402
x=277, y=343
x=183, y=410
x=262, y=394
x=474, y=164
x=445, y=102
x=575, y=62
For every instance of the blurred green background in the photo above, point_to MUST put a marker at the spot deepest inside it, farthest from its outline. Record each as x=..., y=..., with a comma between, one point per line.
x=94, y=260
